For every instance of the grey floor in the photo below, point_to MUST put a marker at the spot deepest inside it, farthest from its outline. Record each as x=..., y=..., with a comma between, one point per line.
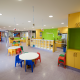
x=46, y=70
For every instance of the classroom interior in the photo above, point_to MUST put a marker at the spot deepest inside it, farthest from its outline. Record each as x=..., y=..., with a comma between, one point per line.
x=39, y=40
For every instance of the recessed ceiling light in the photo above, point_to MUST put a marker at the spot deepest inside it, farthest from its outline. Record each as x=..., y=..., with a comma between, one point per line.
x=19, y=0
x=9, y=26
x=52, y=27
x=0, y=14
x=50, y=16
x=62, y=23
x=32, y=27
x=17, y=24
x=29, y=21
x=44, y=25
x=3, y=27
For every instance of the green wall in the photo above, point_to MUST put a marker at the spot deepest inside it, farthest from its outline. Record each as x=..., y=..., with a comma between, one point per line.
x=74, y=38
x=51, y=34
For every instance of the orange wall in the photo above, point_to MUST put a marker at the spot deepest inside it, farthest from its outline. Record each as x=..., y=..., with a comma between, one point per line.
x=38, y=34
x=63, y=29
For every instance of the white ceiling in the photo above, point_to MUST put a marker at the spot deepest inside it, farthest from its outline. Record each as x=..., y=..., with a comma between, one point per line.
x=22, y=11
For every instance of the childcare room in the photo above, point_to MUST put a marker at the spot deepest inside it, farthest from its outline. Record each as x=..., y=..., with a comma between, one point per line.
x=39, y=39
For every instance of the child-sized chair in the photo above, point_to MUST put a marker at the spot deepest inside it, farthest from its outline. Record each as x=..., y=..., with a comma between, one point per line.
x=21, y=48
x=38, y=57
x=62, y=59
x=19, y=51
x=29, y=62
x=17, y=60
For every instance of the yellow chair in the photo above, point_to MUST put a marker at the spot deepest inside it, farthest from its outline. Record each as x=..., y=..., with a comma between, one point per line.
x=11, y=51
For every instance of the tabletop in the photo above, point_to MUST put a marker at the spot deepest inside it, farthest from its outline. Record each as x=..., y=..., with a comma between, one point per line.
x=14, y=47
x=28, y=56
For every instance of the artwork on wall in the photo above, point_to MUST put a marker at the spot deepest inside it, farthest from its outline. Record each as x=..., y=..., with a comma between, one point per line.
x=40, y=34
x=16, y=34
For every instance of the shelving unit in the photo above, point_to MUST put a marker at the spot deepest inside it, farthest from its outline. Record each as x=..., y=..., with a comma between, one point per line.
x=44, y=44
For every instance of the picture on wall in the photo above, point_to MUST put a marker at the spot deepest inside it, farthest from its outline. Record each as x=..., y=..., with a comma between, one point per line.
x=16, y=34
x=40, y=34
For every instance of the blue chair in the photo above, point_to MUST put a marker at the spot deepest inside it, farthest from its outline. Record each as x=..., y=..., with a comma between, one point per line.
x=29, y=62
x=17, y=60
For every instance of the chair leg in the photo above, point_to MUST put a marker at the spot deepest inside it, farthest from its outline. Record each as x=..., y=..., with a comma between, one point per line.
x=15, y=64
x=32, y=68
x=21, y=64
x=35, y=61
x=25, y=67
x=40, y=59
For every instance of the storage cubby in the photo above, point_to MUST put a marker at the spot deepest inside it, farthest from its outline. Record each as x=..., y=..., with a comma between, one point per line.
x=44, y=44
x=74, y=38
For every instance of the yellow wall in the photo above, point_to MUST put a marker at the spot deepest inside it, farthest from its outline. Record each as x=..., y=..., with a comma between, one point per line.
x=63, y=29
x=38, y=34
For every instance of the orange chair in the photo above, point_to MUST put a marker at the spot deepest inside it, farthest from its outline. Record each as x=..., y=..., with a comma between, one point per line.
x=19, y=51
x=38, y=57
x=62, y=60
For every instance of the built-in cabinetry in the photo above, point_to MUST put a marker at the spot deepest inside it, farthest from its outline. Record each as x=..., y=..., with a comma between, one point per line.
x=58, y=43
x=73, y=58
x=44, y=44
x=74, y=20
x=73, y=41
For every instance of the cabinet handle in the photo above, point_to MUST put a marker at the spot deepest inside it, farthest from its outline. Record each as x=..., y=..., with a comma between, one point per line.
x=74, y=54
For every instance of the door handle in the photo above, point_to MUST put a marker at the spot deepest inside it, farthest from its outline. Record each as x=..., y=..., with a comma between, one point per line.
x=74, y=54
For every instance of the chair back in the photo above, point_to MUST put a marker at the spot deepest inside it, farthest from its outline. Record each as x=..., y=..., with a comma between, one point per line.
x=17, y=58
x=28, y=62
x=38, y=53
x=21, y=48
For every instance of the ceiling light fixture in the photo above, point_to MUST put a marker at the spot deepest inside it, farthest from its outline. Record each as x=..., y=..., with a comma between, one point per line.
x=62, y=23
x=50, y=16
x=29, y=21
x=44, y=25
x=19, y=0
x=0, y=14
x=17, y=24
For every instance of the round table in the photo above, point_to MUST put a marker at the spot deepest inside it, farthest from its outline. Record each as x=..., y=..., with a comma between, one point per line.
x=13, y=49
x=28, y=56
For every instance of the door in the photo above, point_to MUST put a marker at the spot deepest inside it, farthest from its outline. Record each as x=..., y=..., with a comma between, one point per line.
x=70, y=58
x=77, y=60
x=73, y=19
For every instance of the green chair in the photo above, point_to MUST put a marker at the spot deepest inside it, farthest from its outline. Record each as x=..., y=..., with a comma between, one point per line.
x=18, y=41
x=22, y=49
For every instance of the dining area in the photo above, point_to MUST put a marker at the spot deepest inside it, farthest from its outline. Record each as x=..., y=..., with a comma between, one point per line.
x=22, y=58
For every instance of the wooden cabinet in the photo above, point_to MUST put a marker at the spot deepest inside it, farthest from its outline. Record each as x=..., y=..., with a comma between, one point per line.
x=77, y=60
x=70, y=58
x=73, y=19
x=73, y=58
x=59, y=44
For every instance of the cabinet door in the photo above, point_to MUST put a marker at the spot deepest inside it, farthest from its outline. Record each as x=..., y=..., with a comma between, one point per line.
x=77, y=60
x=73, y=19
x=70, y=58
